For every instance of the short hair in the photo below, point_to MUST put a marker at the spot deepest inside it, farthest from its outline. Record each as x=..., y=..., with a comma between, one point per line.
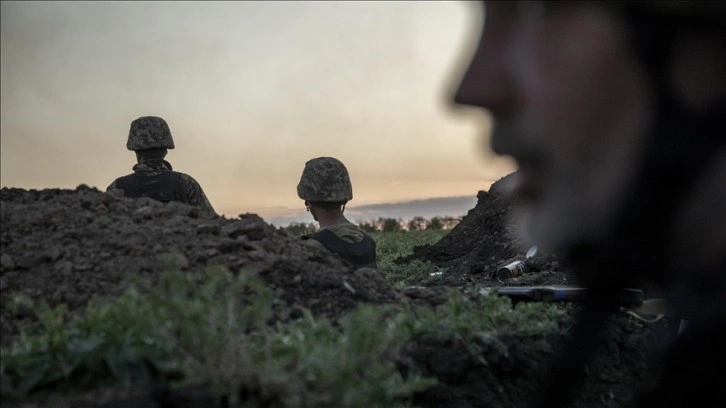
x=151, y=154
x=328, y=205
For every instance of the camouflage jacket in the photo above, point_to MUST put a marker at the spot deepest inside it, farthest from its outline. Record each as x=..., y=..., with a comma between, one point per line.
x=157, y=180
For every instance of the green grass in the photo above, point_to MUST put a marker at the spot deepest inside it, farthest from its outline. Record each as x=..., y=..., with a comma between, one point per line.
x=393, y=245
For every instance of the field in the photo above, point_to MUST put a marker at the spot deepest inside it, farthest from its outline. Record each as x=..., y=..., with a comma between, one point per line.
x=100, y=309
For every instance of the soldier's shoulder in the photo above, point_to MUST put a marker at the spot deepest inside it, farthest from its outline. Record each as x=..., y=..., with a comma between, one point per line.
x=118, y=181
x=317, y=244
x=348, y=232
x=121, y=179
x=185, y=178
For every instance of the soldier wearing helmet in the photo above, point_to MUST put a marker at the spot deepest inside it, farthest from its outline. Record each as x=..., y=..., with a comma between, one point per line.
x=325, y=186
x=153, y=176
x=615, y=113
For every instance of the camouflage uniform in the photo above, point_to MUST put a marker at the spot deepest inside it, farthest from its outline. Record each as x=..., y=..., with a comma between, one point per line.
x=326, y=179
x=346, y=240
x=155, y=178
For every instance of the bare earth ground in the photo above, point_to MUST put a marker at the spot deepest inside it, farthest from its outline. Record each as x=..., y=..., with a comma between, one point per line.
x=69, y=246
x=484, y=240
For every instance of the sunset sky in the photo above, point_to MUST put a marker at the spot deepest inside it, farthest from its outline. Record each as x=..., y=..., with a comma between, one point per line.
x=251, y=90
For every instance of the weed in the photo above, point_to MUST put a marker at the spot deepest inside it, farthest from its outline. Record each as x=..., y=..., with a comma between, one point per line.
x=394, y=245
x=213, y=331
x=217, y=329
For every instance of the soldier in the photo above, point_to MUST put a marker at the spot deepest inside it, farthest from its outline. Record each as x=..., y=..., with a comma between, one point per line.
x=325, y=186
x=616, y=115
x=153, y=176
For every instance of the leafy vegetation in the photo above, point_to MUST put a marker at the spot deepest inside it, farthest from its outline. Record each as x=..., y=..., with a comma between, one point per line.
x=212, y=332
x=219, y=329
x=393, y=245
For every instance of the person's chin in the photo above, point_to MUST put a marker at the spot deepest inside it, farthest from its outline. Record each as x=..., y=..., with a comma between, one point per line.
x=550, y=227
x=527, y=186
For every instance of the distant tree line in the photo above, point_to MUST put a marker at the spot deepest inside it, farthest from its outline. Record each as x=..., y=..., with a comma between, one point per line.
x=417, y=223
x=301, y=228
x=383, y=224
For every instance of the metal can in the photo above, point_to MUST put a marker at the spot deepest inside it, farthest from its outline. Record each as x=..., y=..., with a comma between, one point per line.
x=511, y=270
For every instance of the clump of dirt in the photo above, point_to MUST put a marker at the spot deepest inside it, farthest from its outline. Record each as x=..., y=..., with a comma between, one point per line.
x=69, y=246
x=486, y=239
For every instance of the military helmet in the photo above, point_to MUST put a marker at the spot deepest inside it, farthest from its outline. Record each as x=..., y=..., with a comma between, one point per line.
x=325, y=179
x=149, y=132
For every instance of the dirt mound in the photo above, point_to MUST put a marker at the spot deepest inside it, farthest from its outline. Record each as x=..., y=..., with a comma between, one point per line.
x=68, y=246
x=485, y=239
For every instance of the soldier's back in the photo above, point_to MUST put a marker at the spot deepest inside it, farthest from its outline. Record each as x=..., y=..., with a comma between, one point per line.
x=164, y=186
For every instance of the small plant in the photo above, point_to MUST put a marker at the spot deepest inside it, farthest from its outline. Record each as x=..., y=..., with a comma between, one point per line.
x=393, y=245
x=413, y=273
x=214, y=329
x=95, y=352
x=479, y=322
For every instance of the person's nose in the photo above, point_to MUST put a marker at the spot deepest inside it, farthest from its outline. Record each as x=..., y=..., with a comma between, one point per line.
x=488, y=82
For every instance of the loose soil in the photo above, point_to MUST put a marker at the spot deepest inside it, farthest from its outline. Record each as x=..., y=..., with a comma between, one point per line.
x=68, y=246
x=71, y=246
x=486, y=239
